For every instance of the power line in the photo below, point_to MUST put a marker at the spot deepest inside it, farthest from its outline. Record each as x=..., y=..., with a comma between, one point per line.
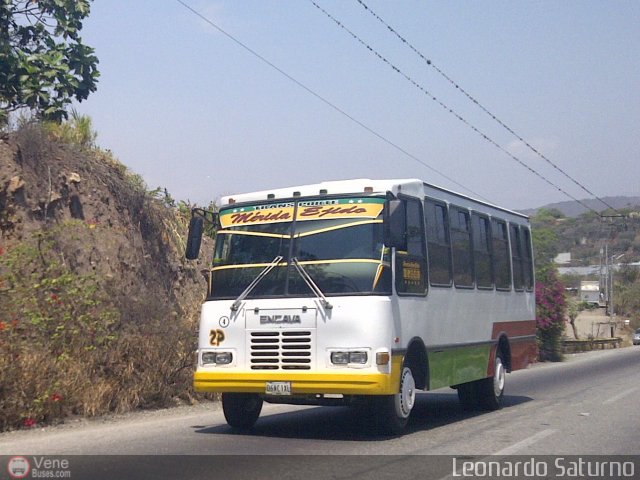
x=325, y=101
x=481, y=106
x=447, y=108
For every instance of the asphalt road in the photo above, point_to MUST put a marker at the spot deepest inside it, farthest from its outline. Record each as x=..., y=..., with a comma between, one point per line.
x=587, y=405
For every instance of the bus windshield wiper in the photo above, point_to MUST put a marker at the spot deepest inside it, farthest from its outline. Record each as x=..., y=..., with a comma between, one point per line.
x=311, y=284
x=255, y=282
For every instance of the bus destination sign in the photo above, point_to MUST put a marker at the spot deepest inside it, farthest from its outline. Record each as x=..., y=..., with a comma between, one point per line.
x=307, y=210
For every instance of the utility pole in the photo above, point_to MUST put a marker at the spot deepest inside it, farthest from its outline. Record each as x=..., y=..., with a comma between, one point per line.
x=606, y=282
x=613, y=319
x=612, y=308
x=601, y=279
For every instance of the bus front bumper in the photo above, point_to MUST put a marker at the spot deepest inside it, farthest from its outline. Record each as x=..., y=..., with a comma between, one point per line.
x=301, y=383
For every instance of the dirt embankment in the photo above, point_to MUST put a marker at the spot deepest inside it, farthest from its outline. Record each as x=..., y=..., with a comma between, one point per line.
x=92, y=282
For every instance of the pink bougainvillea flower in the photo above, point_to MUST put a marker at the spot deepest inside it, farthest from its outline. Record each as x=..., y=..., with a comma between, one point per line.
x=28, y=422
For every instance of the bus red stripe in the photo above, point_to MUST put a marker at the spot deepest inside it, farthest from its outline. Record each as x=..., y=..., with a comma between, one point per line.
x=514, y=329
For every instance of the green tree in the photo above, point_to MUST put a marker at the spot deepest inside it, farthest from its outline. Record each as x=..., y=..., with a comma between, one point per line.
x=627, y=299
x=544, y=248
x=44, y=65
x=545, y=239
x=573, y=310
x=548, y=215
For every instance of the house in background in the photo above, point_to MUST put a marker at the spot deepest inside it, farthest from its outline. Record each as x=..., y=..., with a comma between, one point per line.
x=563, y=258
x=590, y=291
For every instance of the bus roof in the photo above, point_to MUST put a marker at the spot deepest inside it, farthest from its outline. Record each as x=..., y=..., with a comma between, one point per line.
x=408, y=186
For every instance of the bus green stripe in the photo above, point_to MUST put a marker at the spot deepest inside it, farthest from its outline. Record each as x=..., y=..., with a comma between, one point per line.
x=456, y=365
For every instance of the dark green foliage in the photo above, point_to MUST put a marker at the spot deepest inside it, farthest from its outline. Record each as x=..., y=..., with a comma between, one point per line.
x=43, y=63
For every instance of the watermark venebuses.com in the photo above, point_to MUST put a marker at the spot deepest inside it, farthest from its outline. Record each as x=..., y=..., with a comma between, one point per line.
x=38, y=467
x=241, y=467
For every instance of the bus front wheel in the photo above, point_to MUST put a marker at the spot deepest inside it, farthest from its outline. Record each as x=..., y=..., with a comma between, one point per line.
x=393, y=411
x=491, y=390
x=241, y=410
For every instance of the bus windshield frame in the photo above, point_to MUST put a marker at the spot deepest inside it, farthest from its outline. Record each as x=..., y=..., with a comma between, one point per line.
x=338, y=241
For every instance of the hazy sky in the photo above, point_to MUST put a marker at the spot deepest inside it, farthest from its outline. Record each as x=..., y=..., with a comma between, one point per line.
x=190, y=110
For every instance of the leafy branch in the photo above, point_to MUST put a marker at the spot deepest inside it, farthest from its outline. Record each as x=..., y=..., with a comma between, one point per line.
x=44, y=65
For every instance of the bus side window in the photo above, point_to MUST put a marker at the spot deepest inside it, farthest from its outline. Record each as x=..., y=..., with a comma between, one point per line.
x=517, y=257
x=462, y=247
x=501, y=255
x=528, y=258
x=438, y=243
x=482, y=254
x=411, y=271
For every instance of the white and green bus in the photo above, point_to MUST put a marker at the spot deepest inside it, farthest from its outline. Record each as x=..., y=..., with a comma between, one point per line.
x=362, y=292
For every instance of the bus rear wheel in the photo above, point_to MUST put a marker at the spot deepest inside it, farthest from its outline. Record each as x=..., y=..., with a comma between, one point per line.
x=491, y=390
x=393, y=411
x=241, y=410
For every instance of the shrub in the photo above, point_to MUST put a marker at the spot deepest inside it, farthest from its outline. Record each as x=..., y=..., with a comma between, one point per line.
x=550, y=316
x=76, y=131
x=73, y=343
x=56, y=328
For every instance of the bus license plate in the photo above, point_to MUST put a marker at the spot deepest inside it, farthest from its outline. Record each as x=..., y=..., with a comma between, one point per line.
x=278, y=388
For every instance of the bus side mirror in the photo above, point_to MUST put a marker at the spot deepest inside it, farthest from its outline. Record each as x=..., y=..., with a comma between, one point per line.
x=395, y=224
x=194, y=238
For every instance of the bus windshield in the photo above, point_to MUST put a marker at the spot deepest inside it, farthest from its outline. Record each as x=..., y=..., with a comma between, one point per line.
x=339, y=243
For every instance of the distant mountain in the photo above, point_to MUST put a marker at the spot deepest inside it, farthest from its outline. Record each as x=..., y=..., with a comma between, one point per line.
x=574, y=209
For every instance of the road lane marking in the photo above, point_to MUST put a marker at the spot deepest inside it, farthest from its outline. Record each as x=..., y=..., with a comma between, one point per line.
x=525, y=443
x=620, y=396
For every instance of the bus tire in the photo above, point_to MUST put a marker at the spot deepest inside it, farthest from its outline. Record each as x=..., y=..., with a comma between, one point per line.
x=491, y=390
x=393, y=411
x=241, y=410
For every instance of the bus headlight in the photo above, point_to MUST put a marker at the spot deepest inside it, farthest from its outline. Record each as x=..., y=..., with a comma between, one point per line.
x=217, y=358
x=340, y=358
x=358, y=357
x=345, y=358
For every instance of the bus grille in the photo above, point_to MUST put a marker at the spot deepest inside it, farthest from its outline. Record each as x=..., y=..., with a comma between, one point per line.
x=281, y=350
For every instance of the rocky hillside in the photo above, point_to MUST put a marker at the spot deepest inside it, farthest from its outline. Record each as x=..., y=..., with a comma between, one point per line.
x=586, y=235
x=98, y=308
